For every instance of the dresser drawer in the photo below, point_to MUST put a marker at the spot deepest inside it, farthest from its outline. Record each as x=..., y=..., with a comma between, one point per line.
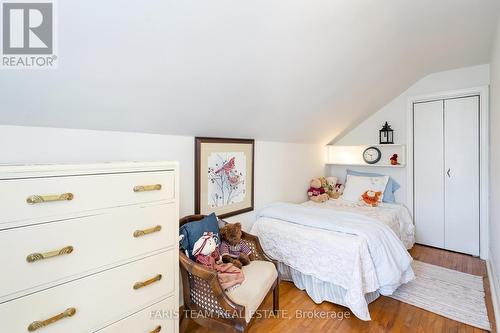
x=98, y=299
x=96, y=241
x=35, y=198
x=158, y=318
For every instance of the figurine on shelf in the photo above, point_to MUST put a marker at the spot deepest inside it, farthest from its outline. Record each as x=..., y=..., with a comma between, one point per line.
x=394, y=159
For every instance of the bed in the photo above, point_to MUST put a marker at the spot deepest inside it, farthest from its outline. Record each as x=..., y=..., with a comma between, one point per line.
x=339, y=251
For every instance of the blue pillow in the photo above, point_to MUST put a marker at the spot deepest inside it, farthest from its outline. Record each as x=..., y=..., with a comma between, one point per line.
x=192, y=231
x=391, y=187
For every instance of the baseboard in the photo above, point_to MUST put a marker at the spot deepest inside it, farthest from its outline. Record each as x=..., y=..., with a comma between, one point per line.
x=494, y=289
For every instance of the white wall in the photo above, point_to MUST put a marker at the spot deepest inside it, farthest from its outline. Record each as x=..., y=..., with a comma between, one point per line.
x=495, y=160
x=395, y=112
x=282, y=170
x=190, y=67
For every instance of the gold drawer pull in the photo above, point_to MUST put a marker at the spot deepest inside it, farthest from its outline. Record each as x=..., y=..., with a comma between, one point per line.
x=144, y=188
x=39, y=324
x=34, y=199
x=156, y=330
x=139, y=233
x=139, y=285
x=40, y=256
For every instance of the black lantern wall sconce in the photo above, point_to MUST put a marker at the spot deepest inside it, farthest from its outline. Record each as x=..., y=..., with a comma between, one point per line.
x=386, y=134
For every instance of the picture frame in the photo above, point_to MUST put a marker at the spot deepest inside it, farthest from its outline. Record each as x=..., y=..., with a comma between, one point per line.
x=224, y=176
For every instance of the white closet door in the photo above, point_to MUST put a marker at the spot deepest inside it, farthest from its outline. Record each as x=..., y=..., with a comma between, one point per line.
x=428, y=173
x=462, y=174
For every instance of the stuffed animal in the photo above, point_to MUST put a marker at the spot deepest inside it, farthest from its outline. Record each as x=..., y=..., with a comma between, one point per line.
x=206, y=252
x=338, y=190
x=330, y=189
x=394, y=159
x=371, y=198
x=331, y=181
x=316, y=192
x=232, y=248
x=324, y=183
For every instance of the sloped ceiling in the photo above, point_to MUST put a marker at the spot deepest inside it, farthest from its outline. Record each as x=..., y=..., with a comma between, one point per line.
x=289, y=70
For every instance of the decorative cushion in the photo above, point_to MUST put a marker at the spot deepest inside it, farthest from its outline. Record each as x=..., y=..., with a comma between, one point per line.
x=192, y=231
x=259, y=278
x=392, y=185
x=355, y=186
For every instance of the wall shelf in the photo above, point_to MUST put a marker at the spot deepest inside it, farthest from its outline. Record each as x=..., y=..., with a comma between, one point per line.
x=353, y=155
x=370, y=165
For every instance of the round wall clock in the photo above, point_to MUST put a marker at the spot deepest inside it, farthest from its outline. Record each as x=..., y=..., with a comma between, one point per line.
x=372, y=155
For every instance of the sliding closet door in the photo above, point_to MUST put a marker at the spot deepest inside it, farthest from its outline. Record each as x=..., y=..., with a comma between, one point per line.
x=462, y=174
x=428, y=173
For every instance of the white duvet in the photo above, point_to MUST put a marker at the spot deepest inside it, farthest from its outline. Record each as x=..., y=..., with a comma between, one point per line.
x=362, y=249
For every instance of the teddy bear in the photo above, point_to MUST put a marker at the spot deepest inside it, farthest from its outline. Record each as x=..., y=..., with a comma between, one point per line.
x=316, y=192
x=324, y=182
x=232, y=248
x=371, y=198
x=331, y=182
x=337, y=191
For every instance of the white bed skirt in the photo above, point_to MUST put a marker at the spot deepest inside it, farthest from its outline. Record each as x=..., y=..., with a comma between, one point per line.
x=318, y=290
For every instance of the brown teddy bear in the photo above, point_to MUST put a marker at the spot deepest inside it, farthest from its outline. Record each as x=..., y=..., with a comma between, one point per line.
x=316, y=192
x=232, y=248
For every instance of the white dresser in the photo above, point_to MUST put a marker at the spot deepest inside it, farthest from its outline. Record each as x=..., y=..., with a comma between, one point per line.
x=89, y=248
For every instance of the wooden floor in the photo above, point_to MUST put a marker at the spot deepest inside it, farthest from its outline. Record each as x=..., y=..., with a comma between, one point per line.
x=388, y=315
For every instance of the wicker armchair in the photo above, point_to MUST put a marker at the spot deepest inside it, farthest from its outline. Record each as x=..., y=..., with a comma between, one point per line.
x=206, y=303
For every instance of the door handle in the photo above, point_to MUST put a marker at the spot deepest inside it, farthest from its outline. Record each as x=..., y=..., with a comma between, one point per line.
x=448, y=173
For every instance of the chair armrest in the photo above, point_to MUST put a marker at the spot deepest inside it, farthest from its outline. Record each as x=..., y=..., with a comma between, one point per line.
x=202, y=291
x=254, y=244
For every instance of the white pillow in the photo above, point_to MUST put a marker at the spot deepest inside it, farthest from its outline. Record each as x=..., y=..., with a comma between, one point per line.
x=355, y=186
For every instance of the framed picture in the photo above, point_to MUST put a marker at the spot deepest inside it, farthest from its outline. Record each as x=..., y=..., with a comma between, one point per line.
x=224, y=176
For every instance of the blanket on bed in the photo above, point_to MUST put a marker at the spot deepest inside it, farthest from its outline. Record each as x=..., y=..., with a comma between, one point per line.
x=390, y=258
x=395, y=216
